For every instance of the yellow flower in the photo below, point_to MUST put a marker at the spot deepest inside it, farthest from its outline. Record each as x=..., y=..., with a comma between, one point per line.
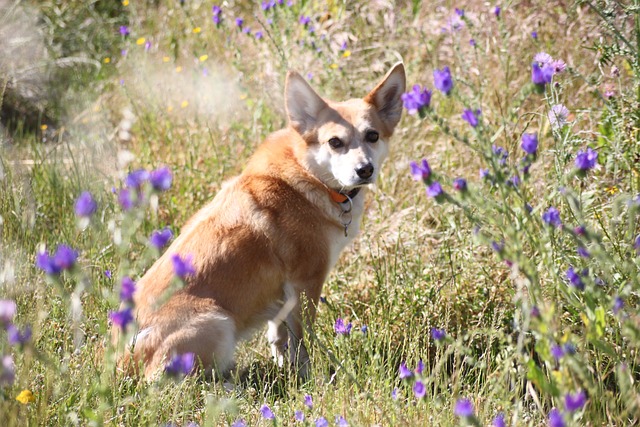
x=346, y=54
x=243, y=96
x=140, y=41
x=178, y=69
x=204, y=58
x=333, y=66
x=196, y=30
x=184, y=104
x=612, y=190
x=106, y=60
x=166, y=59
x=25, y=397
x=169, y=109
x=125, y=2
x=43, y=127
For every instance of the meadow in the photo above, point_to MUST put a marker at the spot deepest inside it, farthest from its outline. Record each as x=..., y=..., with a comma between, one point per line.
x=497, y=276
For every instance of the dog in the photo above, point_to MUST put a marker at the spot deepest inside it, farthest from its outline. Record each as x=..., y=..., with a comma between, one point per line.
x=263, y=247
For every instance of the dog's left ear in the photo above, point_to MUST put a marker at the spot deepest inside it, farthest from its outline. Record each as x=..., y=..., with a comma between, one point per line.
x=386, y=97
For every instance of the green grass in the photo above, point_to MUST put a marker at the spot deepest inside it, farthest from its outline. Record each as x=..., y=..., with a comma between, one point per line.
x=418, y=263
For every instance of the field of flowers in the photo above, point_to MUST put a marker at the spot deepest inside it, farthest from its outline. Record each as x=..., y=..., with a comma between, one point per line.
x=497, y=277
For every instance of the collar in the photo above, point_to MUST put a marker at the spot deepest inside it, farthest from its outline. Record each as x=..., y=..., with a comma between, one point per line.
x=340, y=197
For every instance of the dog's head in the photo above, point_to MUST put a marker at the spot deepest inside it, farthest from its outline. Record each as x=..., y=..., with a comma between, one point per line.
x=346, y=142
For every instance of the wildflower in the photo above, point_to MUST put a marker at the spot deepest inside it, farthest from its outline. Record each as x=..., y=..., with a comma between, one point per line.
x=513, y=181
x=618, y=305
x=442, y=80
x=463, y=408
x=45, y=263
x=161, y=179
x=542, y=59
x=122, y=318
x=341, y=421
x=65, y=257
x=394, y=394
x=552, y=217
x=575, y=279
x=299, y=416
x=322, y=422
x=404, y=372
x=558, y=116
x=583, y=252
x=420, y=172
x=496, y=11
x=180, y=364
x=147, y=46
x=500, y=153
x=26, y=396
x=472, y=42
x=246, y=30
x=217, y=19
x=183, y=267
x=586, y=160
x=85, y=205
x=258, y=35
x=127, y=289
x=580, y=230
x=419, y=390
x=556, y=419
x=471, y=116
x=534, y=35
x=574, y=402
x=497, y=247
x=498, y=421
x=364, y=329
x=15, y=337
x=557, y=352
x=438, y=334
x=266, y=5
x=341, y=328
x=267, y=413
x=529, y=143
x=8, y=311
x=239, y=423
x=239, y=22
x=420, y=367
x=304, y=20
x=540, y=76
x=125, y=199
x=7, y=370
x=160, y=238
x=460, y=184
x=216, y=10
x=308, y=401
x=417, y=100
x=136, y=178
x=434, y=190
x=459, y=12
x=124, y=30
x=484, y=173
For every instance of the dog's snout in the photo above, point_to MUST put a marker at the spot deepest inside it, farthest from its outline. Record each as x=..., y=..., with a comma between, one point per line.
x=365, y=171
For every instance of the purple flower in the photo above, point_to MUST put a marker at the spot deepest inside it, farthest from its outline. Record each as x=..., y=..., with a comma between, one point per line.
x=299, y=416
x=364, y=329
x=239, y=423
x=15, y=337
x=147, y=45
x=636, y=244
x=497, y=247
x=267, y=413
x=471, y=117
x=552, y=217
x=217, y=19
x=122, y=318
x=438, y=334
x=127, y=289
x=125, y=199
x=266, y=5
x=498, y=421
x=586, y=160
x=107, y=274
x=180, y=364
x=341, y=328
x=183, y=267
x=558, y=116
x=484, y=173
x=558, y=66
x=618, y=305
x=434, y=190
x=124, y=30
x=419, y=390
x=394, y=394
x=216, y=9
x=534, y=35
x=583, y=252
x=513, y=181
x=574, y=402
x=555, y=419
x=85, y=205
x=420, y=172
x=160, y=238
x=161, y=179
x=420, y=367
x=580, y=230
x=239, y=22
x=442, y=80
x=304, y=20
x=136, y=178
x=472, y=42
x=542, y=59
x=460, y=184
x=496, y=11
x=7, y=371
x=258, y=35
x=246, y=30
x=557, y=352
x=417, y=99
x=541, y=75
x=341, y=422
x=529, y=143
x=463, y=408
x=65, y=257
x=575, y=279
x=8, y=311
x=45, y=263
x=459, y=12
x=308, y=401
x=322, y=422
x=404, y=372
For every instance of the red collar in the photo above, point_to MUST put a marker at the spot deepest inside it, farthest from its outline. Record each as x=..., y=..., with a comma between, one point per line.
x=339, y=197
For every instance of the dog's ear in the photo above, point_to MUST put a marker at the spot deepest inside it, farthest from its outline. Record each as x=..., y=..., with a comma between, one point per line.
x=302, y=103
x=386, y=97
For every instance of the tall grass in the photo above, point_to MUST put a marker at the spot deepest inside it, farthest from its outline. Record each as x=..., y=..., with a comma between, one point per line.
x=462, y=305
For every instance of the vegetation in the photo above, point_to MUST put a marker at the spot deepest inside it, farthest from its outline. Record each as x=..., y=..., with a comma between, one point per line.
x=504, y=294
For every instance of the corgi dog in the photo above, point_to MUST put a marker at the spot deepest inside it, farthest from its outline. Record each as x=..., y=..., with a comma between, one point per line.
x=263, y=247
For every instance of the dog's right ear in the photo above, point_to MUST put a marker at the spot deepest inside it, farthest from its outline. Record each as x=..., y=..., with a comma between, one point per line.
x=302, y=103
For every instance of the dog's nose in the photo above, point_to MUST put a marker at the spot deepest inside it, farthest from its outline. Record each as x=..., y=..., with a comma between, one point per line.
x=365, y=171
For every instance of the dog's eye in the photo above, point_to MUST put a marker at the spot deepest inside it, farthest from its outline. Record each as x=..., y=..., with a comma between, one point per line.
x=336, y=142
x=371, y=136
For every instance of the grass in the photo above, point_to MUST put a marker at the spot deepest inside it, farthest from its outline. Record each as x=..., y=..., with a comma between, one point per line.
x=201, y=97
